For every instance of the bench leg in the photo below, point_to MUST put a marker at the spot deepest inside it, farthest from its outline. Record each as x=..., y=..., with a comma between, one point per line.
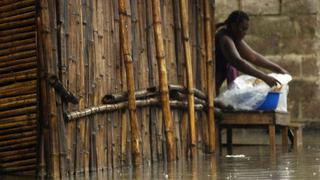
x=272, y=137
x=285, y=131
x=297, y=137
x=229, y=140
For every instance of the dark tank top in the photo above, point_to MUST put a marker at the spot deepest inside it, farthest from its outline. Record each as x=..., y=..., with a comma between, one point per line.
x=224, y=70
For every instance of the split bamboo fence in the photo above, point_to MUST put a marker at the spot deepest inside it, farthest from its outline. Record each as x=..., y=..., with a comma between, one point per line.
x=93, y=85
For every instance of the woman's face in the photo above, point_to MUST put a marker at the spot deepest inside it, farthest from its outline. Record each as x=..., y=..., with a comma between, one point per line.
x=239, y=30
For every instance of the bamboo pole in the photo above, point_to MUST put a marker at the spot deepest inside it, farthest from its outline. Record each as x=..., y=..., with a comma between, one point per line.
x=14, y=44
x=17, y=12
x=9, y=64
x=210, y=78
x=18, y=17
x=126, y=49
x=188, y=59
x=18, y=55
x=163, y=81
x=17, y=5
x=16, y=34
x=123, y=96
x=22, y=23
x=18, y=48
x=14, y=68
x=197, y=93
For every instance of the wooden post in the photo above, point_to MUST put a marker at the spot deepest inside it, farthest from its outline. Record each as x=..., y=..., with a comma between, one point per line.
x=210, y=78
x=187, y=51
x=126, y=49
x=163, y=81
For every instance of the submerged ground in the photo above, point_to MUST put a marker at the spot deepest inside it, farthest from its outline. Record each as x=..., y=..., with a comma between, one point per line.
x=247, y=162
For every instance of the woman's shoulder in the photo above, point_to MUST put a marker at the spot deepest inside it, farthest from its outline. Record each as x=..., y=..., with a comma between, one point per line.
x=221, y=32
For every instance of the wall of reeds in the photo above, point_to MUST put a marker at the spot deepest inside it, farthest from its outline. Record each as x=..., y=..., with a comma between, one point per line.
x=121, y=83
x=18, y=80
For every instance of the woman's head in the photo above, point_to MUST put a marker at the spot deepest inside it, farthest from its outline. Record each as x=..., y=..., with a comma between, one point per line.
x=237, y=23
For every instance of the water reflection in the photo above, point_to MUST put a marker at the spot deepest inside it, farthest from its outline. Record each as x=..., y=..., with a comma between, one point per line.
x=247, y=162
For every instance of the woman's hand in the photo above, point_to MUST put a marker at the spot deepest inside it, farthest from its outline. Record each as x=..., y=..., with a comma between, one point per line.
x=280, y=70
x=270, y=81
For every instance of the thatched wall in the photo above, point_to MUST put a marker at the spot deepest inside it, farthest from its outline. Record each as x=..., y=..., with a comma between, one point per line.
x=18, y=79
x=80, y=60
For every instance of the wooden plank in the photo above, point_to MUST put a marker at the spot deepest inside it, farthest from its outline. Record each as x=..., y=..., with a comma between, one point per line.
x=247, y=118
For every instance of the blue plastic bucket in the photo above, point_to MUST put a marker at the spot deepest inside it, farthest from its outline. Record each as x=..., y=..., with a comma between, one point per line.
x=271, y=101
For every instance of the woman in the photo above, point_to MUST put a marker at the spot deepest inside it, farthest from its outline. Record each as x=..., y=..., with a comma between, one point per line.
x=233, y=53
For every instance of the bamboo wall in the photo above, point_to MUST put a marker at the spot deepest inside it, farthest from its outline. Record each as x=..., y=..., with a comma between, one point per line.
x=79, y=44
x=18, y=77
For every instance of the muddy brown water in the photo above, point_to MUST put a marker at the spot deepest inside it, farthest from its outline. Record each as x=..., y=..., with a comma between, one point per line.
x=248, y=161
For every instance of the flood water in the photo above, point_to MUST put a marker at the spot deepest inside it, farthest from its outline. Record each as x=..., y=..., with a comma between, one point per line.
x=247, y=162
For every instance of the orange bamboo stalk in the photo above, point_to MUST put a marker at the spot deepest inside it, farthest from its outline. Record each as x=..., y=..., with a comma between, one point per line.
x=126, y=49
x=187, y=51
x=210, y=78
x=163, y=81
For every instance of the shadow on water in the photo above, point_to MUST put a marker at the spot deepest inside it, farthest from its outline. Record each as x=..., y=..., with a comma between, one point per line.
x=246, y=162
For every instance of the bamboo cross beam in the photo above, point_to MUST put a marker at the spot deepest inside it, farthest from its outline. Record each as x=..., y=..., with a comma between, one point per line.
x=123, y=96
x=58, y=86
x=123, y=105
x=197, y=93
x=210, y=78
x=177, y=95
x=126, y=49
x=163, y=81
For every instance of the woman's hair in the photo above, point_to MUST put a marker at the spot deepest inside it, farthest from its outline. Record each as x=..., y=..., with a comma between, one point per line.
x=235, y=17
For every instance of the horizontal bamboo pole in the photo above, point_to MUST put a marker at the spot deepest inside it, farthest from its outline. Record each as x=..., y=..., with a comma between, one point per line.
x=18, y=163
x=123, y=96
x=18, y=17
x=14, y=104
x=22, y=23
x=17, y=98
x=13, y=142
x=6, y=2
x=16, y=89
x=10, y=35
x=18, y=55
x=198, y=93
x=19, y=67
x=18, y=135
x=11, y=130
x=17, y=5
x=23, y=61
x=18, y=129
x=22, y=169
x=22, y=77
x=18, y=151
x=17, y=157
x=22, y=118
x=18, y=73
x=15, y=36
x=19, y=111
x=18, y=48
x=14, y=44
x=123, y=105
x=178, y=95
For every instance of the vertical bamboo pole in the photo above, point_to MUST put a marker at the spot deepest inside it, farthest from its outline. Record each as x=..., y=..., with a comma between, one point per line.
x=210, y=78
x=126, y=49
x=187, y=51
x=163, y=80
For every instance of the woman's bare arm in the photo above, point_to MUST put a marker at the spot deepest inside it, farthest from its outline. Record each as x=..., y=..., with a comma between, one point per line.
x=254, y=57
x=230, y=51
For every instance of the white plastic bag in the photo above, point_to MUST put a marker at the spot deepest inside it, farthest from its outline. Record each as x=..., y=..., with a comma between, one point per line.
x=284, y=79
x=248, y=93
x=245, y=93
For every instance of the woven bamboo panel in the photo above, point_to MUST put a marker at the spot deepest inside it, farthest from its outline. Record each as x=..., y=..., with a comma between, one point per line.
x=18, y=77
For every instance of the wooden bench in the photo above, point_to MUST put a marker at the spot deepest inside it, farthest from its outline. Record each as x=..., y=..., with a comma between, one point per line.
x=260, y=119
